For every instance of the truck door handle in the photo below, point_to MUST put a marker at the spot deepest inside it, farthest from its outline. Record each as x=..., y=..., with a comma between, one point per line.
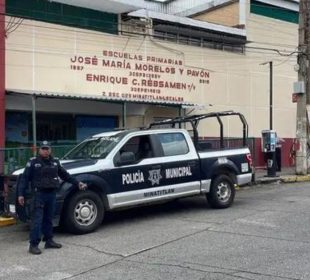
x=158, y=166
x=192, y=163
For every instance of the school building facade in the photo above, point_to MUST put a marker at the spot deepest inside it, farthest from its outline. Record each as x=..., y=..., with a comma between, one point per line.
x=68, y=72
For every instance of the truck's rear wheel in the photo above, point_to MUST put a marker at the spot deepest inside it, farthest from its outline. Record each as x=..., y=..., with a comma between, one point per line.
x=222, y=192
x=84, y=212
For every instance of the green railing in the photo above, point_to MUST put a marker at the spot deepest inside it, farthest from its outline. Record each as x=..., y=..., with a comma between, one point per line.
x=15, y=158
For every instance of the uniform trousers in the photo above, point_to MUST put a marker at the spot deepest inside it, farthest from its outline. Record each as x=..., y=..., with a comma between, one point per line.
x=42, y=216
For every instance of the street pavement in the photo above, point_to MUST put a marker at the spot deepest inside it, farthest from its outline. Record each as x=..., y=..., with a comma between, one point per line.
x=263, y=236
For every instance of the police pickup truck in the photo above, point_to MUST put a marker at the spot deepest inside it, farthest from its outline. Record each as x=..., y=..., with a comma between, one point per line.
x=125, y=168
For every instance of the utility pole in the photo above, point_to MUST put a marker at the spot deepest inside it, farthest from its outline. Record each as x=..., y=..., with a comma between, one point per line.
x=270, y=94
x=270, y=148
x=303, y=75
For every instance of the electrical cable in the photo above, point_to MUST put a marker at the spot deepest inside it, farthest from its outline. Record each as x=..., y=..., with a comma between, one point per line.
x=283, y=53
x=100, y=21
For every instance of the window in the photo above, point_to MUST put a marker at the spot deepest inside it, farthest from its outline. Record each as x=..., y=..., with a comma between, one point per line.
x=16, y=128
x=91, y=125
x=140, y=146
x=271, y=11
x=173, y=144
x=59, y=13
x=199, y=38
x=54, y=127
x=94, y=148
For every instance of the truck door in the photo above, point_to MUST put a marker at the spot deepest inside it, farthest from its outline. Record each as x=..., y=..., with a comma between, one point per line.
x=128, y=181
x=164, y=167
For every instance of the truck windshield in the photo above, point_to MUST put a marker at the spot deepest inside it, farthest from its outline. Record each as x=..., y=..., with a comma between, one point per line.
x=94, y=148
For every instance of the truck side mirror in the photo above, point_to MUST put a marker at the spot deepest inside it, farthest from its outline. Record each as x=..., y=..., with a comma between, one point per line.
x=126, y=158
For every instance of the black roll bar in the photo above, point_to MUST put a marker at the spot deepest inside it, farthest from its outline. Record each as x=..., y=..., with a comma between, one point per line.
x=194, y=121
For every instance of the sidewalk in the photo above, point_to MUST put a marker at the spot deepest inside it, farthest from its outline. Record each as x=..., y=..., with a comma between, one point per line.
x=287, y=175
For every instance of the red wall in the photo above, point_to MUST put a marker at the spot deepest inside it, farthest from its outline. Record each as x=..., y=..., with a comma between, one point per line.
x=286, y=153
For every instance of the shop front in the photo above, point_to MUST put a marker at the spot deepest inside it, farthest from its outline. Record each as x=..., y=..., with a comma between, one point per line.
x=63, y=120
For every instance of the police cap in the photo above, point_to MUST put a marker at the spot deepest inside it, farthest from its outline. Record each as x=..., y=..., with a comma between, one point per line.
x=45, y=144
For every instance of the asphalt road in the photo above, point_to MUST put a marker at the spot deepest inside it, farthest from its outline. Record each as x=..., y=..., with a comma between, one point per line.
x=265, y=235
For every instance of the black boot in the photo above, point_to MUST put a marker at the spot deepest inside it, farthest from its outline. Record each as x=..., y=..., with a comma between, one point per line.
x=52, y=244
x=34, y=249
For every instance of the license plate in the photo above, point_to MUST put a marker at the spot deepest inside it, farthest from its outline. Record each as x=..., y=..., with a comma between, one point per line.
x=12, y=208
x=244, y=167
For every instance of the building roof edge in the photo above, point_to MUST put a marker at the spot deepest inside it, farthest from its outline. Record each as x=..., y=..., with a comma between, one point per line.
x=142, y=13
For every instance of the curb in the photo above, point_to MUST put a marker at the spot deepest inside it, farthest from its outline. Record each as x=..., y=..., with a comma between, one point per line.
x=295, y=178
x=283, y=179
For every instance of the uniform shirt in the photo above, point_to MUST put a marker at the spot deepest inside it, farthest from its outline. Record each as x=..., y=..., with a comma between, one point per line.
x=32, y=173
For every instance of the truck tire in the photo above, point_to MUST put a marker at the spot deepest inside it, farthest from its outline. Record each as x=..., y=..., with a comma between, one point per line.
x=222, y=192
x=84, y=212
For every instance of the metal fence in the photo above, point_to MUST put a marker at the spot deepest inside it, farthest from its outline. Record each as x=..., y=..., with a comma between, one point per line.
x=15, y=158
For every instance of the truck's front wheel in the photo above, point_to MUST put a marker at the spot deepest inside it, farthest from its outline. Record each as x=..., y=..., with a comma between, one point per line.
x=222, y=192
x=84, y=212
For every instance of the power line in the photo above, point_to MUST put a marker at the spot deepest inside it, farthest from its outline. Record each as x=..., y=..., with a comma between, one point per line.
x=13, y=27
x=113, y=23
x=282, y=53
x=81, y=31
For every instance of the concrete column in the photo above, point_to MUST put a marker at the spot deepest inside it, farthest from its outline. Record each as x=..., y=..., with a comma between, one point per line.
x=242, y=12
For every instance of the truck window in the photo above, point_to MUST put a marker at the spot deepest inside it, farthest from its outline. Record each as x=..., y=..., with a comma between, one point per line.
x=173, y=144
x=140, y=146
x=94, y=148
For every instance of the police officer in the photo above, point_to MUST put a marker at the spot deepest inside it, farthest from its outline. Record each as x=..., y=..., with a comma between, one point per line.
x=43, y=172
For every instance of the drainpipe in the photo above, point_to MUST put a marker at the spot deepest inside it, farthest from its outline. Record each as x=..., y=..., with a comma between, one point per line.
x=34, y=125
x=2, y=83
x=180, y=115
x=124, y=114
x=242, y=13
